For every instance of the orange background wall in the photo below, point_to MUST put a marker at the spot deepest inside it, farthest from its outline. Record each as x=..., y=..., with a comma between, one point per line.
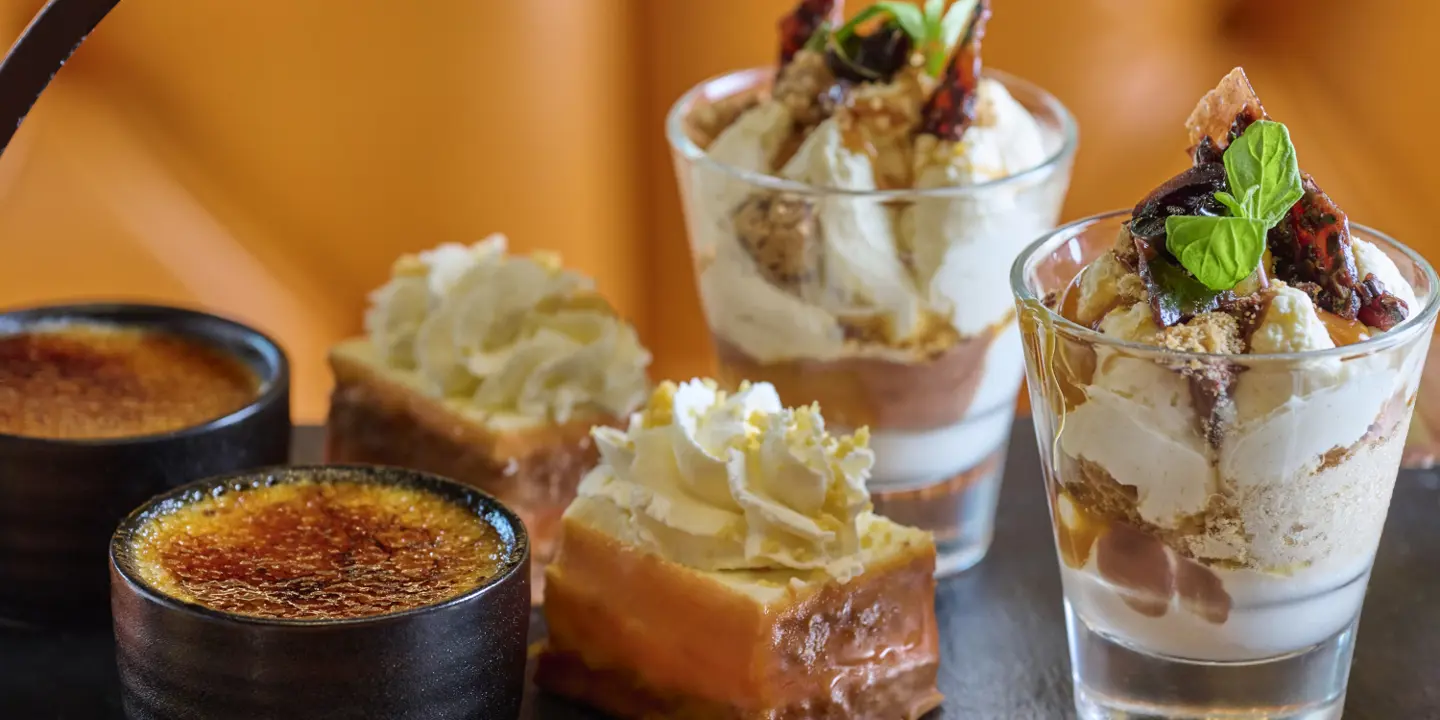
x=268, y=159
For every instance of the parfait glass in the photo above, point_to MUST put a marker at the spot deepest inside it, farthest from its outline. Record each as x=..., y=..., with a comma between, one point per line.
x=1215, y=575
x=790, y=275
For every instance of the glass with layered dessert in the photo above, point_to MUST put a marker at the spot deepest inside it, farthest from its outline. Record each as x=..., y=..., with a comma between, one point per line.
x=1222, y=379
x=851, y=216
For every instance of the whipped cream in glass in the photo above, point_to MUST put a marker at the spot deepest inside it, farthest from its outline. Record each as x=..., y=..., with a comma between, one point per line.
x=851, y=229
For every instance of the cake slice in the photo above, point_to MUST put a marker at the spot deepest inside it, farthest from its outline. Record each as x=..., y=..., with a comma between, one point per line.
x=723, y=562
x=489, y=369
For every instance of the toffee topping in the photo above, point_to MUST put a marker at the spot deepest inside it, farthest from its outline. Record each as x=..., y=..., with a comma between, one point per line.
x=312, y=550
x=91, y=381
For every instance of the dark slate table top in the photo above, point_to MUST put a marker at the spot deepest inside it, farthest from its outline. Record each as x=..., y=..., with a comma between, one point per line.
x=1002, y=632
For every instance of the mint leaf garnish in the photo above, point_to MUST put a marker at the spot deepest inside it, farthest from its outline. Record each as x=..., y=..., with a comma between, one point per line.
x=817, y=40
x=933, y=29
x=1236, y=207
x=1264, y=180
x=1262, y=170
x=907, y=16
x=957, y=18
x=1218, y=251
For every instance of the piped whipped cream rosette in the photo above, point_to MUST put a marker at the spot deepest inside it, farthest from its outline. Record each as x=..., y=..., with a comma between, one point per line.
x=719, y=481
x=1207, y=487
x=509, y=335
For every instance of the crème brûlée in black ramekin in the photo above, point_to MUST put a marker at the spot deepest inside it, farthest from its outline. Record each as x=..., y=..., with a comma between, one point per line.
x=321, y=592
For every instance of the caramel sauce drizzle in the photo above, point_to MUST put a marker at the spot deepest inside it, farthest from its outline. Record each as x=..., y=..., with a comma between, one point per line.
x=1076, y=529
x=1342, y=331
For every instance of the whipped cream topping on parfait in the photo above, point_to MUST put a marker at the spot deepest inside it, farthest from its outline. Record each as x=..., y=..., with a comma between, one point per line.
x=831, y=275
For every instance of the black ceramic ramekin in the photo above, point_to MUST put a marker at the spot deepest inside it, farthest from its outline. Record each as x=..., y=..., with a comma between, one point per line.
x=61, y=499
x=462, y=658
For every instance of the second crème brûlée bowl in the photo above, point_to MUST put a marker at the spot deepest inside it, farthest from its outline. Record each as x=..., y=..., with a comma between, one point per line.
x=339, y=591
x=885, y=302
x=101, y=407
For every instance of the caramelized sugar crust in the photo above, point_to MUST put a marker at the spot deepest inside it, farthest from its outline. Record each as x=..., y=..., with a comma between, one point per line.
x=311, y=550
x=91, y=381
x=641, y=637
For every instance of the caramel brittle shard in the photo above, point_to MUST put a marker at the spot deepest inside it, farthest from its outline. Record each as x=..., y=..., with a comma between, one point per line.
x=951, y=110
x=1233, y=103
x=808, y=17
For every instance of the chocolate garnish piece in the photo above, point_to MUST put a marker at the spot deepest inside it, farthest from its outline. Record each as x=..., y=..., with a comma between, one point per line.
x=1202, y=592
x=1138, y=565
x=50, y=39
x=1312, y=244
x=1207, y=152
x=1174, y=296
x=1212, y=385
x=1192, y=192
x=1248, y=311
x=950, y=110
x=799, y=26
x=875, y=57
x=1379, y=308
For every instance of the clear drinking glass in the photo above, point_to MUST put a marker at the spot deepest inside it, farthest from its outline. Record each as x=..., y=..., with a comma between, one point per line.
x=792, y=278
x=1213, y=575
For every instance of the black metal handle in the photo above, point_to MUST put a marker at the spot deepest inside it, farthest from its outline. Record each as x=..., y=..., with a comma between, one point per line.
x=39, y=53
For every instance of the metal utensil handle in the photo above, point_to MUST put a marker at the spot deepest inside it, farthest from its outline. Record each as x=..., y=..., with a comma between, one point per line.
x=40, y=52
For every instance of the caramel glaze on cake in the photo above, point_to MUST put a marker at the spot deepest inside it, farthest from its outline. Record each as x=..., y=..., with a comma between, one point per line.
x=91, y=381
x=698, y=648
x=534, y=470
x=311, y=550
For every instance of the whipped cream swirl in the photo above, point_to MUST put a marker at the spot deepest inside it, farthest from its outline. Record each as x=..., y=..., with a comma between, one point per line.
x=728, y=482
x=508, y=334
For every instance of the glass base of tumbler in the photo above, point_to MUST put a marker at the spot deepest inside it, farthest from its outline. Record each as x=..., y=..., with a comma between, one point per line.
x=1114, y=681
x=959, y=511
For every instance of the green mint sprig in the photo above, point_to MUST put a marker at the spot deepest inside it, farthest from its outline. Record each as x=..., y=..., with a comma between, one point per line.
x=933, y=29
x=1264, y=178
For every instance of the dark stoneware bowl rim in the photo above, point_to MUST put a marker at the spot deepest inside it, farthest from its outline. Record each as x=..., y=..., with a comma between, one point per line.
x=274, y=379
x=486, y=506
